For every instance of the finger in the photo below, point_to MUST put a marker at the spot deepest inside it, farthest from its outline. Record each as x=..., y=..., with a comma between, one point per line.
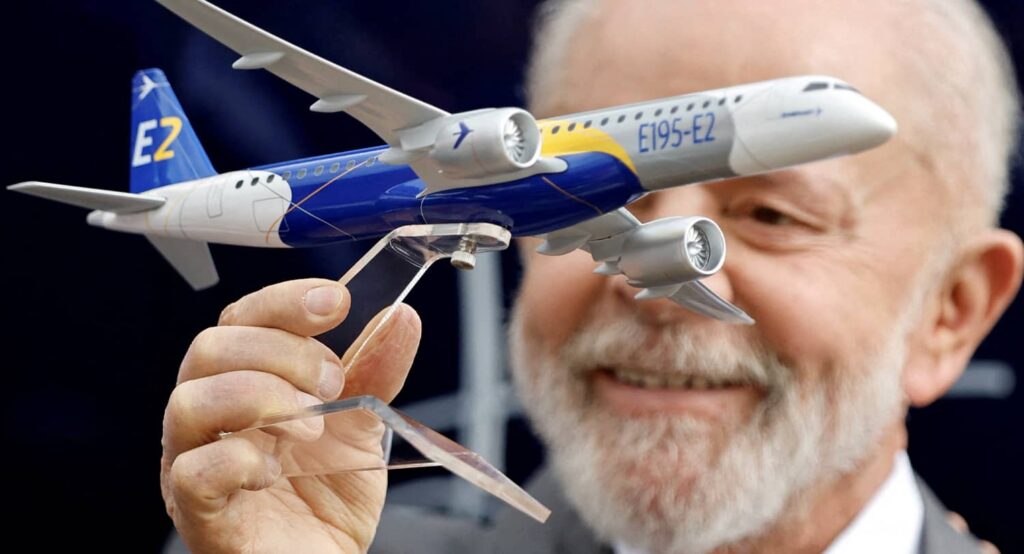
x=202, y=479
x=306, y=363
x=987, y=547
x=378, y=361
x=957, y=522
x=305, y=307
x=200, y=410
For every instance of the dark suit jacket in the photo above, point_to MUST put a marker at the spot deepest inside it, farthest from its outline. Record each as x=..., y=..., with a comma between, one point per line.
x=405, y=530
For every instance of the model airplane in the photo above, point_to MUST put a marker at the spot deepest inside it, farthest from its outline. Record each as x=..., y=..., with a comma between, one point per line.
x=566, y=179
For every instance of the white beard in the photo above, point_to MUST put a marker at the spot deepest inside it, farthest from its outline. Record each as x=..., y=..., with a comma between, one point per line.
x=685, y=485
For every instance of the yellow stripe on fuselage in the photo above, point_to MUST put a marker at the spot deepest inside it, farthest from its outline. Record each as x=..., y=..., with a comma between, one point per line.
x=579, y=140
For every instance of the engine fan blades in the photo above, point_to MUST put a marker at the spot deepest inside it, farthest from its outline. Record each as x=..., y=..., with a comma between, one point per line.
x=515, y=145
x=698, y=248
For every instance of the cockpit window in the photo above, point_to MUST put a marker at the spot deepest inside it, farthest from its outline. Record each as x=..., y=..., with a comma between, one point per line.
x=816, y=85
x=844, y=86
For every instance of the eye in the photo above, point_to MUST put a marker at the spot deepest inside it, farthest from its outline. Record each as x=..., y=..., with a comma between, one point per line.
x=770, y=216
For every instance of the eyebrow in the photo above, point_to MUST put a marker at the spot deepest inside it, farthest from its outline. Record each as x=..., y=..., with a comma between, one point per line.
x=820, y=189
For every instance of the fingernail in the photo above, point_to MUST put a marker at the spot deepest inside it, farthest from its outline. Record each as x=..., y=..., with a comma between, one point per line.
x=314, y=422
x=323, y=300
x=331, y=380
x=273, y=467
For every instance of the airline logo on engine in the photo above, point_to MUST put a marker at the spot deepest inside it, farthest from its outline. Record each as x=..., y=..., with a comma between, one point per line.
x=461, y=133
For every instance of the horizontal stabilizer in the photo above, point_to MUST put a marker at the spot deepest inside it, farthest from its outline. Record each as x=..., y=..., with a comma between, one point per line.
x=191, y=258
x=93, y=199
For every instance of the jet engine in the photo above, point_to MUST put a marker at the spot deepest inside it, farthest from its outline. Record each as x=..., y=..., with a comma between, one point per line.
x=490, y=143
x=671, y=251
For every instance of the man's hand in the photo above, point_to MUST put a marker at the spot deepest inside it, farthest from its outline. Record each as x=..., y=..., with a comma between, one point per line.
x=226, y=495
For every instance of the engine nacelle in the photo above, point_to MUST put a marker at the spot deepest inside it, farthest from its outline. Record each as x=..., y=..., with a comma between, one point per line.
x=672, y=250
x=491, y=143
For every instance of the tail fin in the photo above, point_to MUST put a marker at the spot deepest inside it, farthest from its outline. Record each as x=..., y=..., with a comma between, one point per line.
x=164, y=149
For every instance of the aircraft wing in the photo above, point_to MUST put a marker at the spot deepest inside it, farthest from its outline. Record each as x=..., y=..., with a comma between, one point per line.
x=383, y=110
x=604, y=237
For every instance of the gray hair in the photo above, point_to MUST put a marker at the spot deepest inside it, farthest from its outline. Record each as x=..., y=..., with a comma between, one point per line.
x=963, y=68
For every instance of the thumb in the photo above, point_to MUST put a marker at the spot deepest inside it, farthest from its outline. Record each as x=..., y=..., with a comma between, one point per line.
x=378, y=361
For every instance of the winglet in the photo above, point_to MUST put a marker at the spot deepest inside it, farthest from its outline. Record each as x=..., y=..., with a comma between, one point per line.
x=699, y=298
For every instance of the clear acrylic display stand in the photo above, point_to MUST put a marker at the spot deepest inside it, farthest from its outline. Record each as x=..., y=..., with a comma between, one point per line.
x=319, y=440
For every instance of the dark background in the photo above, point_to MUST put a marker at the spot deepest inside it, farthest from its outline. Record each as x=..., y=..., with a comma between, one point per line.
x=95, y=323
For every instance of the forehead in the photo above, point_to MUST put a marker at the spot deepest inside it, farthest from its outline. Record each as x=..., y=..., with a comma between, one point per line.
x=631, y=51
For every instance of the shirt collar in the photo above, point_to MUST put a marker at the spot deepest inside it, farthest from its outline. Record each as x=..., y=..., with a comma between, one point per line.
x=891, y=521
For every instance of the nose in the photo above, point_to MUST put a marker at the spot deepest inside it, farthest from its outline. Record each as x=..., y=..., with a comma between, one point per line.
x=662, y=311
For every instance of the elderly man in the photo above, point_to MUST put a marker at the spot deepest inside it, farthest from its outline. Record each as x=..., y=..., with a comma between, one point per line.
x=873, y=278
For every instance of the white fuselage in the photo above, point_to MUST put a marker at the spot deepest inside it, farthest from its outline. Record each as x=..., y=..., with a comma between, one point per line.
x=197, y=210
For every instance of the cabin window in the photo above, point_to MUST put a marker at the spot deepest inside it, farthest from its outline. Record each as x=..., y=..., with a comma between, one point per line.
x=270, y=178
x=572, y=127
x=604, y=122
x=721, y=102
x=816, y=85
x=738, y=98
x=554, y=130
x=286, y=175
x=254, y=181
x=674, y=109
x=370, y=161
x=349, y=165
x=238, y=185
x=689, y=108
x=301, y=174
x=638, y=116
x=587, y=124
x=707, y=103
x=318, y=171
x=335, y=167
x=657, y=112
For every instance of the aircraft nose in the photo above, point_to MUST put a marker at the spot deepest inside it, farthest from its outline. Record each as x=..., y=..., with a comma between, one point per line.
x=870, y=126
x=788, y=128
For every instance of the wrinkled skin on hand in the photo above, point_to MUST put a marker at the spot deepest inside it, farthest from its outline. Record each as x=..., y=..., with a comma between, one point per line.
x=227, y=495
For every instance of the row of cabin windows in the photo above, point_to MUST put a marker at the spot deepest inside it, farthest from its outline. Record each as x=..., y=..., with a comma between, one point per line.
x=301, y=174
x=657, y=113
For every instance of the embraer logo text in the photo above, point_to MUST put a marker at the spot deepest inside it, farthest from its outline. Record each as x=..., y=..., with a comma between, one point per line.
x=143, y=140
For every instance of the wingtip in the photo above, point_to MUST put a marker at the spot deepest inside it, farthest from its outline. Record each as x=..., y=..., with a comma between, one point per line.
x=204, y=285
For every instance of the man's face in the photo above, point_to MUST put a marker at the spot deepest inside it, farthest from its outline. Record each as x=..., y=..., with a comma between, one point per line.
x=664, y=423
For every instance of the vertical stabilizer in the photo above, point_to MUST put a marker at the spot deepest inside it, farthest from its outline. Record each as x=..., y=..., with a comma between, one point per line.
x=164, y=148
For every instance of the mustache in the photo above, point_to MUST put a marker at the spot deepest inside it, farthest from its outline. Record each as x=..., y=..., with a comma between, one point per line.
x=672, y=351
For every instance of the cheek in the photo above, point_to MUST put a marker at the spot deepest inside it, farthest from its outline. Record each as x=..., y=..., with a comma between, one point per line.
x=813, y=310
x=556, y=294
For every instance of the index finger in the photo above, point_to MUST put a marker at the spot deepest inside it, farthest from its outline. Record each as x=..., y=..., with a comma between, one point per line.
x=305, y=307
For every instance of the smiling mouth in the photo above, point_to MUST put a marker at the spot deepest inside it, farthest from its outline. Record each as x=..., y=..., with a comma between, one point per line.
x=647, y=380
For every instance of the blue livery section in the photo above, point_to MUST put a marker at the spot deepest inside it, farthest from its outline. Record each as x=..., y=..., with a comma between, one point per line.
x=164, y=148
x=352, y=196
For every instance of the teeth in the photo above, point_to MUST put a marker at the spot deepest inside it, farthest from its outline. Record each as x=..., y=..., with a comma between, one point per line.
x=651, y=381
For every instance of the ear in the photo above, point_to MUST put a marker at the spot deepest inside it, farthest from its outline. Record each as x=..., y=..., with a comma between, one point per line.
x=969, y=302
